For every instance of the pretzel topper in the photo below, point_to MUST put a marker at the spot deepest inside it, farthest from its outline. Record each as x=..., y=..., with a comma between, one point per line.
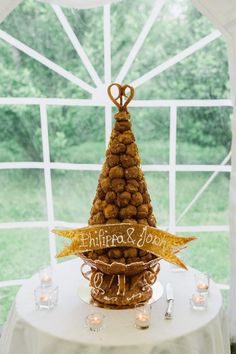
x=159, y=242
x=122, y=93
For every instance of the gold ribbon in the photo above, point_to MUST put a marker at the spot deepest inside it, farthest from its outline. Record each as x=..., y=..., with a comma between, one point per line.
x=157, y=241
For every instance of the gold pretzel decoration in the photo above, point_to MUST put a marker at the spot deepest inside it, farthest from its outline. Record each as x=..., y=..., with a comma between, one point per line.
x=118, y=101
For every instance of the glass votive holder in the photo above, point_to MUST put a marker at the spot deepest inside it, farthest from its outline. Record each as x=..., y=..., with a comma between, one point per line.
x=142, y=316
x=46, y=298
x=45, y=276
x=94, y=322
x=199, y=301
x=202, y=283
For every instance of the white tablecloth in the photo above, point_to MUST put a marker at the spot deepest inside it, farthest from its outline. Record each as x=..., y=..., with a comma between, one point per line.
x=62, y=330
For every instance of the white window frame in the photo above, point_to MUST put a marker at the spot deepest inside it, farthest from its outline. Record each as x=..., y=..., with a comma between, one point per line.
x=98, y=98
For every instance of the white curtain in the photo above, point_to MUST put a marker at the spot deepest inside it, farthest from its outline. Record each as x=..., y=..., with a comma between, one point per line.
x=79, y=4
x=223, y=15
x=6, y=7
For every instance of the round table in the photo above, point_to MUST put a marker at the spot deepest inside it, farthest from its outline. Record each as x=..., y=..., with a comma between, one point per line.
x=62, y=330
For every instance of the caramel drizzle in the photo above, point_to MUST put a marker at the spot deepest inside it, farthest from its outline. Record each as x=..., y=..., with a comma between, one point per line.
x=98, y=280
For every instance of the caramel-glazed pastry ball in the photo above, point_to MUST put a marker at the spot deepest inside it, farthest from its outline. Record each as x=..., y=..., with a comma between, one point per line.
x=111, y=211
x=132, y=172
x=105, y=184
x=115, y=253
x=92, y=255
x=123, y=199
x=130, y=252
x=118, y=185
x=142, y=186
x=116, y=147
x=122, y=126
x=99, y=252
x=133, y=260
x=152, y=220
x=110, y=197
x=126, y=138
x=100, y=193
x=105, y=170
x=119, y=260
x=143, y=222
x=113, y=221
x=129, y=221
x=142, y=211
x=104, y=259
x=142, y=253
x=147, y=257
x=146, y=198
x=137, y=199
x=116, y=172
x=132, y=149
x=122, y=116
x=113, y=160
x=127, y=160
x=97, y=219
x=128, y=212
x=132, y=186
x=99, y=204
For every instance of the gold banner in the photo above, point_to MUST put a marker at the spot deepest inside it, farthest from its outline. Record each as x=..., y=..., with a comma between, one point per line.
x=91, y=238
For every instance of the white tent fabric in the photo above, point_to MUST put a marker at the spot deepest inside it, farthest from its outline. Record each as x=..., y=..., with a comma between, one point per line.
x=6, y=7
x=223, y=15
x=79, y=4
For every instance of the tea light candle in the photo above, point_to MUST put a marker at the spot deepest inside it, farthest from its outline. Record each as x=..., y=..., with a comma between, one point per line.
x=94, y=322
x=45, y=276
x=199, y=302
x=203, y=286
x=46, y=298
x=142, y=320
x=46, y=280
x=202, y=283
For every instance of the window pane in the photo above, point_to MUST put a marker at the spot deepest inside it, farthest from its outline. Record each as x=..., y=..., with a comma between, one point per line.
x=151, y=129
x=20, y=133
x=88, y=27
x=157, y=184
x=22, y=252
x=212, y=206
x=178, y=25
x=7, y=296
x=77, y=134
x=31, y=23
x=73, y=193
x=202, y=75
x=22, y=76
x=123, y=20
x=210, y=253
x=22, y=195
x=203, y=135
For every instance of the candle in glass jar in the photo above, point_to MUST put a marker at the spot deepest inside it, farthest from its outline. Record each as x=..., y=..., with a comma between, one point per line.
x=46, y=280
x=142, y=320
x=202, y=286
x=45, y=275
x=44, y=298
x=94, y=322
x=202, y=283
x=199, y=301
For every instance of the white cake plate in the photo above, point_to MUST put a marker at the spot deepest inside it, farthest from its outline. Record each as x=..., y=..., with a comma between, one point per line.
x=84, y=294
